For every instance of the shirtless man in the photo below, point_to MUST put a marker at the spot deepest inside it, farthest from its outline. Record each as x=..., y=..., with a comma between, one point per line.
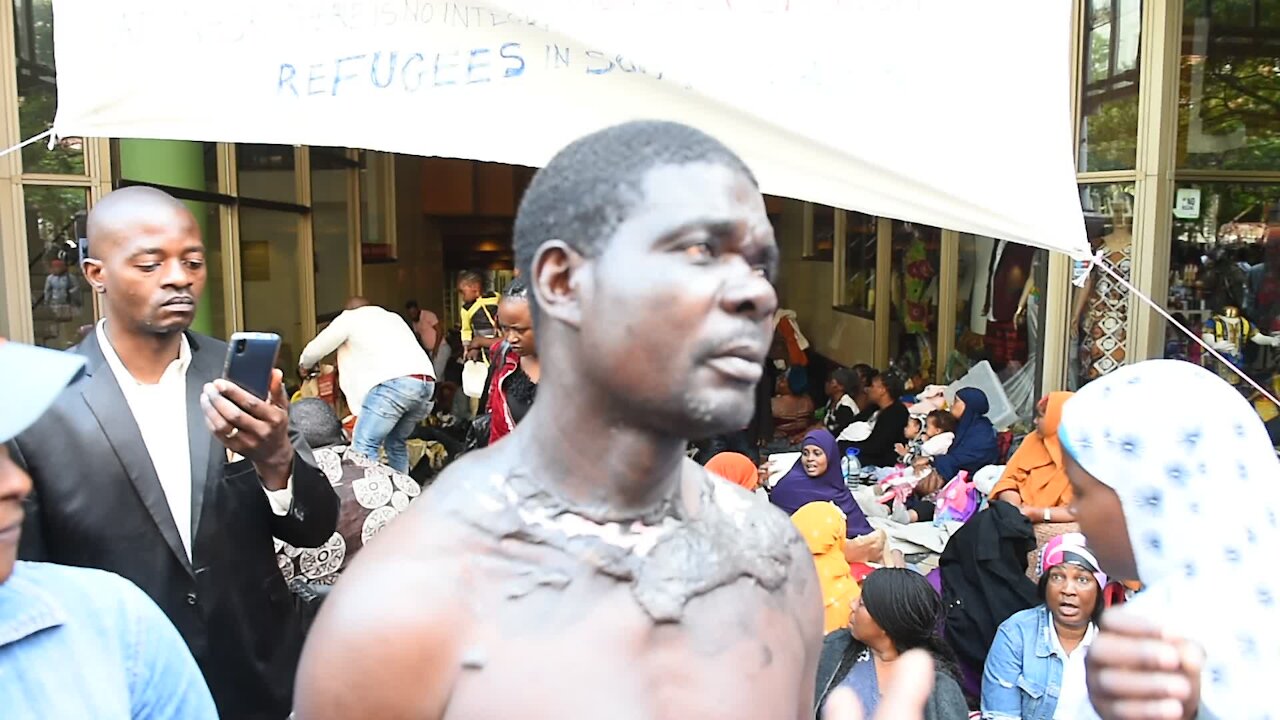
x=583, y=567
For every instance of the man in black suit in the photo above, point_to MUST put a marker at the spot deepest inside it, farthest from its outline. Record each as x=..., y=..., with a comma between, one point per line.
x=152, y=467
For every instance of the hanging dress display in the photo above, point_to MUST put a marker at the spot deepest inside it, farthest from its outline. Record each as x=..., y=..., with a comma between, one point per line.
x=1106, y=319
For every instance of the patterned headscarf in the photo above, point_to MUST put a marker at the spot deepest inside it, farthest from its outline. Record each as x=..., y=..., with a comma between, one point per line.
x=1069, y=549
x=1200, y=491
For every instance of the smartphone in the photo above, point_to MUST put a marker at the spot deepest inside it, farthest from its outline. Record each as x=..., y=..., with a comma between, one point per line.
x=251, y=356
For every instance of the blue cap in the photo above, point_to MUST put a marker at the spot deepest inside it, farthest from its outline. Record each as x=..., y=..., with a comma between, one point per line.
x=31, y=378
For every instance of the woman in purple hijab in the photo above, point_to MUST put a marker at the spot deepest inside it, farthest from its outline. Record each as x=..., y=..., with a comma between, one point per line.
x=815, y=478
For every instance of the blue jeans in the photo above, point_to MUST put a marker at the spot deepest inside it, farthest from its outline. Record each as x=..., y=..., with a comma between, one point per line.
x=390, y=413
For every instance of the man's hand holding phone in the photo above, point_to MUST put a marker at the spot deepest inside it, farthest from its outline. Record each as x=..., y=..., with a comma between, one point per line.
x=254, y=428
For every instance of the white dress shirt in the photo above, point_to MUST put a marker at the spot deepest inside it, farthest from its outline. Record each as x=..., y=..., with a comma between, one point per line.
x=1073, y=695
x=160, y=410
x=374, y=345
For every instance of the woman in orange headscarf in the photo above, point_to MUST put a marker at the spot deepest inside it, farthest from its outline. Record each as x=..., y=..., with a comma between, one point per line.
x=823, y=526
x=1036, y=479
x=736, y=468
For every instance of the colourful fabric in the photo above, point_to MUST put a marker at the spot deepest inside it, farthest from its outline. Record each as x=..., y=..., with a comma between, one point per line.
x=796, y=489
x=822, y=525
x=1005, y=343
x=1201, y=503
x=504, y=362
x=370, y=495
x=736, y=468
x=792, y=337
x=1105, y=330
x=481, y=314
x=798, y=379
x=1036, y=471
x=917, y=272
x=1070, y=549
x=975, y=444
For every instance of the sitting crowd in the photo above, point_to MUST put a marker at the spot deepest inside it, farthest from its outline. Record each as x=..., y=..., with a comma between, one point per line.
x=1026, y=609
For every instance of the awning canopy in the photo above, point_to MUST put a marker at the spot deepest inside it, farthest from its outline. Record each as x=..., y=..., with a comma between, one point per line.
x=944, y=113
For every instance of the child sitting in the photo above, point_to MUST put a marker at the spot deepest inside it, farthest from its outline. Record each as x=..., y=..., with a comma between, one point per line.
x=936, y=439
x=914, y=434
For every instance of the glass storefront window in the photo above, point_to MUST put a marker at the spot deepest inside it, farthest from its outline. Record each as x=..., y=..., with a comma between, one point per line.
x=821, y=245
x=270, y=279
x=913, y=335
x=333, y=184
x=211, y=314
x=377, y=207
x=37, y=96
x=61, y=301
x=1229, y=95
x=1099, y=320
x=1225, y=263
x=1000, y=315
x=266, y=172
x=1109, y=86
x=857, y=292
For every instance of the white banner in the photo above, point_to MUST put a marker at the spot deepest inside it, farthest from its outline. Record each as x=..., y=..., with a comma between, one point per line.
x=954, y=114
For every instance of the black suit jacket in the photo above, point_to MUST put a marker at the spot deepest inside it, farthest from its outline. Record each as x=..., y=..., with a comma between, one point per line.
x=97, y=502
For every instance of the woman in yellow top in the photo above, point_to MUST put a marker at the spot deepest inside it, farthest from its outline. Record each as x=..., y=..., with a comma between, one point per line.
x=1035, y=479
x=823, y=526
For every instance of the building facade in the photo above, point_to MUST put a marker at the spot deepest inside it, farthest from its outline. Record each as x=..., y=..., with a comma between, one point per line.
x=1178, y=155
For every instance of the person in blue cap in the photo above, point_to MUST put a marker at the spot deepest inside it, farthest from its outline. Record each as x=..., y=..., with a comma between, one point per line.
x=128, y=659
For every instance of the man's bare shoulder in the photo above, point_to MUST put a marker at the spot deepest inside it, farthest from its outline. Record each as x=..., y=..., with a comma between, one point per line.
x=400, y=615
x=761, y=522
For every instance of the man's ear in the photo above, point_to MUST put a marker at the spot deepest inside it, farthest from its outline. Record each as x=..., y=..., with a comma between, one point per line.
x=92, y=270
x=556, y=281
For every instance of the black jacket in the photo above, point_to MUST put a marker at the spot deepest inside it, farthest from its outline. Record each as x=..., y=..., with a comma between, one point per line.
x=839, y=652
x=984, y=580
x=877, y=449
x=97, y=502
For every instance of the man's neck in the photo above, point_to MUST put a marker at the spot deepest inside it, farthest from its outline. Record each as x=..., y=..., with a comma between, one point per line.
x=144, y=355
x=886, y=403
x=586, y=453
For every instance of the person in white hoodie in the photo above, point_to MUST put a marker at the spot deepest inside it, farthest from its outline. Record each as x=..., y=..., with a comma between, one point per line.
x=385, y=374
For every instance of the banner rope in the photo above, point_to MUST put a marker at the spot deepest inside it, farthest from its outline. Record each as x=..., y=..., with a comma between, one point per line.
x=28, y=141
x=1101, y=263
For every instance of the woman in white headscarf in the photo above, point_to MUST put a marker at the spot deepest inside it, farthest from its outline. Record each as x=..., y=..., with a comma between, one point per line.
x=1189, y=504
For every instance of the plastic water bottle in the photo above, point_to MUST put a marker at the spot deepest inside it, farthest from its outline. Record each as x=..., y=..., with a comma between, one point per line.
x=851, y=468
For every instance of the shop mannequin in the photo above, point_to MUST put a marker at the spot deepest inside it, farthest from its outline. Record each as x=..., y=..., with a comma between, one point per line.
x=1227, y=332
x=1101, y=317
x=983, y=249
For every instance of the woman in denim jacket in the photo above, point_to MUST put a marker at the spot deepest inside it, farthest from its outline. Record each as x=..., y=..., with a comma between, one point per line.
x=1035, y=669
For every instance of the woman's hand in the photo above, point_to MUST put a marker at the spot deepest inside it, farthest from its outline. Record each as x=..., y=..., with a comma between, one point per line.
x=1136, y=672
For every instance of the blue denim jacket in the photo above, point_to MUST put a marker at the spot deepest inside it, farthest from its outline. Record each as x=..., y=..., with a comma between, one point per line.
x=1022, y=677
x=78, y=643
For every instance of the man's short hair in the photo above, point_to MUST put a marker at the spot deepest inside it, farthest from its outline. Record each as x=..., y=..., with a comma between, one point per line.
x=590, y=186
x=471, y=277
x=317, y=422
x=892, y=384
